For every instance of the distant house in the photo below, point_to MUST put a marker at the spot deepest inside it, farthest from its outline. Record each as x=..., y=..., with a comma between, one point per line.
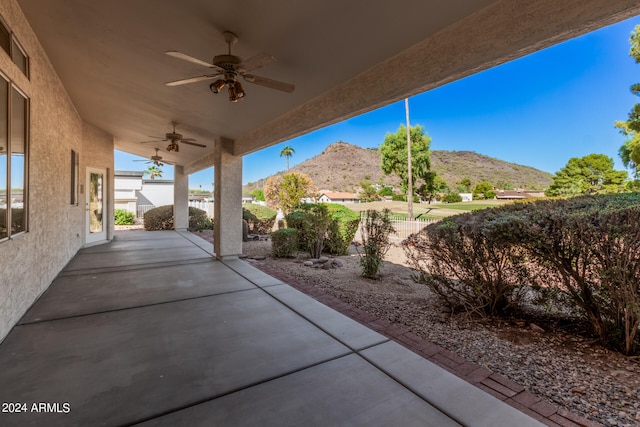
x=126, y=186
x=338, y=197
x=466, y=197
x=131, y=191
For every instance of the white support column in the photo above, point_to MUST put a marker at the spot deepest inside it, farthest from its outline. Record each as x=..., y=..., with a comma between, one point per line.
x=227, y=230
x=180, y=199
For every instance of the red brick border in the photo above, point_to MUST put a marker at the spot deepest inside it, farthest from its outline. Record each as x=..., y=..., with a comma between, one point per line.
x=493, y=383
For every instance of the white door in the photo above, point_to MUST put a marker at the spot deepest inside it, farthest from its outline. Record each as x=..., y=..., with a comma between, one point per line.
x=96, y=205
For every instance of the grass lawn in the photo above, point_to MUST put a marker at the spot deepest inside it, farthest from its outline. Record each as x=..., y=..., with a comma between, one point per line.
x=429, y=211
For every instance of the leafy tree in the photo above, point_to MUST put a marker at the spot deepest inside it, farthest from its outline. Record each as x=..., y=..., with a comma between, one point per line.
x=258, y=195
x=586, y=175
x=153, y=171
x=394, y=155
x=385, y=192
x=368, y=193
x=630, y=150
x=464, y=186
x=287, y=152
x=452, y=198
x=430, y=188
x=286, y=191
x=483, y=190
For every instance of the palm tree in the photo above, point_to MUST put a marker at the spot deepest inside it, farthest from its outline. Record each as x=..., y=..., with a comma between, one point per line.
x=153, y=171
x=287, y=152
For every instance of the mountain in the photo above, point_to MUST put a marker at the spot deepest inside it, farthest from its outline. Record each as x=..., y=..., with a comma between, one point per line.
x=342, y=166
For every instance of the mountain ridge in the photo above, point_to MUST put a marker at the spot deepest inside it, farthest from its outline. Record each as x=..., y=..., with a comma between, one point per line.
x=342, y=166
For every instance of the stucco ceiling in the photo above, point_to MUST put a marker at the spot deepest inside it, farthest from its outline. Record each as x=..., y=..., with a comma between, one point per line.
x=344, y=57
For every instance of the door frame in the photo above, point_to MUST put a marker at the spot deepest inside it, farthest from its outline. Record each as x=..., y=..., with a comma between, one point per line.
x=92, y=238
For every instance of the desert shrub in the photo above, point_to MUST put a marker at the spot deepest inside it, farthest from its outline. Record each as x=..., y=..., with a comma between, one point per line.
x=315, y=227
x=284, y=242
x=471, y=262
x=312, y=222
x=341, y=230
x=296, y=220
x=342, y=225
x=199, y=220
x=617, y=244
x=452, y=198
x=160, y=218
x=124, y=217
x=588, y=246
x=260, y=219
x=375, y=230
x=580, y=253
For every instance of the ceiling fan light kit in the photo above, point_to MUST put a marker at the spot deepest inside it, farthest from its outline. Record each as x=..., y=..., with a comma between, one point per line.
x=228, y=67
x=174, y=139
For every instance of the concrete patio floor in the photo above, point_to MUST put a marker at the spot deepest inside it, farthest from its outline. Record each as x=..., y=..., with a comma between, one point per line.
x=150, y=329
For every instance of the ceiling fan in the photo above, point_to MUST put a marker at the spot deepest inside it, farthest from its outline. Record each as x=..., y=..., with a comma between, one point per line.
x=156, y=160
x=174, y=138
x=228, y=67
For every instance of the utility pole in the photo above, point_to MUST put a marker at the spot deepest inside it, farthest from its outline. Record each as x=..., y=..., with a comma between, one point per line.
x=410, y=176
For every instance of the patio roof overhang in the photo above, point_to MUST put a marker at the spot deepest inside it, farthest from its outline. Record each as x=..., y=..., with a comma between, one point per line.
x=345, y=58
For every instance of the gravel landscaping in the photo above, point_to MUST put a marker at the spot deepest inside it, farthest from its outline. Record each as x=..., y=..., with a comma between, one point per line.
x=568, y=370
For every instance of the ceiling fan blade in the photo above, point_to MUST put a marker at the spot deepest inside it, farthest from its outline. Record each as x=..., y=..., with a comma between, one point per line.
x=192, y=80
x=188, y=58
x=258, y=61
x=193, y=143
x=188, y=139
x=272, y=84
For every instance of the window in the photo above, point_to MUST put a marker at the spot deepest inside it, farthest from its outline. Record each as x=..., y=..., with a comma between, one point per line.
x=14, y=119
x=74, y=177
x=10, y=45
x=19, y=57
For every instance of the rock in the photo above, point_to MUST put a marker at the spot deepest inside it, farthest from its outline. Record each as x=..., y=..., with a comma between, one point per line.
x=336, y=263
x=326, y=265
x=308, y=263
x=259, y=257
x=323, y=259
x=535, y=328
x=314, y=260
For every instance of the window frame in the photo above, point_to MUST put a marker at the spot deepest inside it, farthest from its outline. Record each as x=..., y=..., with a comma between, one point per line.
x=75, y=178
x=13, y=88
x=13, y=45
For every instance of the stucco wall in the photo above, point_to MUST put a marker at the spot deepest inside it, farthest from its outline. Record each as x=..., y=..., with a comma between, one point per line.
x=30, y=262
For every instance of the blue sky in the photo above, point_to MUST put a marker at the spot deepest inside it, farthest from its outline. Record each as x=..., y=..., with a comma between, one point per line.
x=539, y=111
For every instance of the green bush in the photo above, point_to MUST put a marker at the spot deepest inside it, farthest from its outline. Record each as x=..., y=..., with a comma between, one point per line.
x=312, y=222
x=199, y=220
x=296, y=219
x=124, y=217
x=452, y=198
x=284, y=242
x=403, y=198
x=161, y=218
x=342, y=229
x=260, y=219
